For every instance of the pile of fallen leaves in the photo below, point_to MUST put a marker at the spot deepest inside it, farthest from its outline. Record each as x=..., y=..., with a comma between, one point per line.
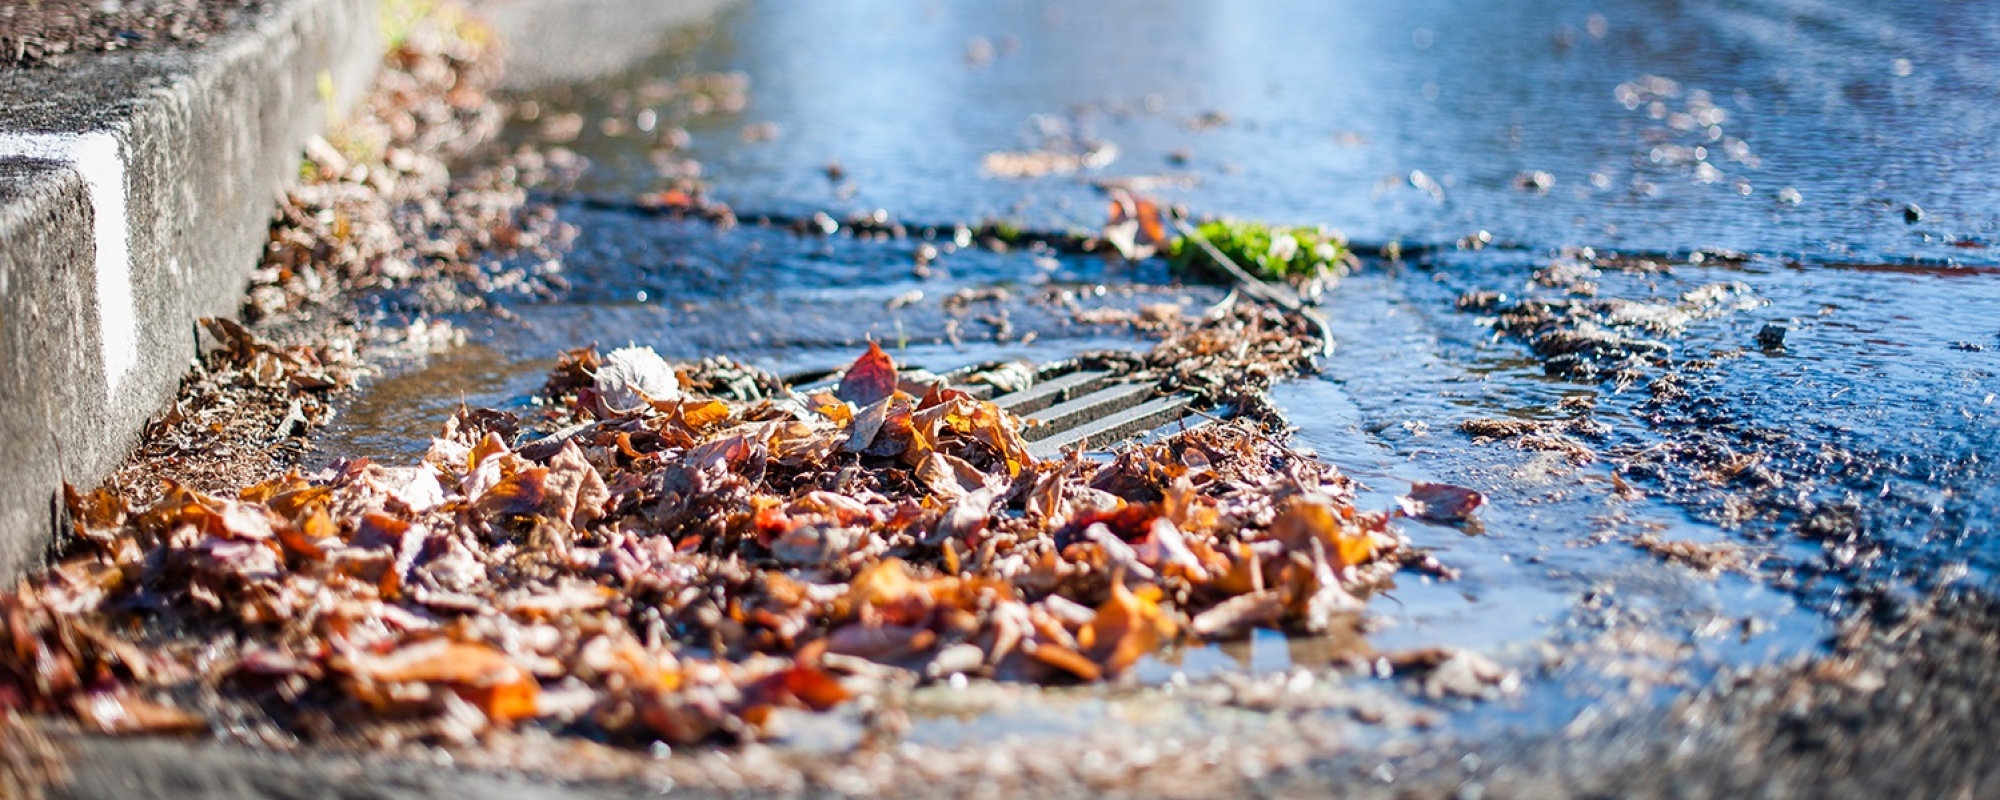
x=376, y=210
x=670, y=553
x=375, y=237
x=242, y=413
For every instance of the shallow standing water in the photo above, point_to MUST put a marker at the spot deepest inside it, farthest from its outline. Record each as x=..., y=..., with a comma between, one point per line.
x=1839, y=162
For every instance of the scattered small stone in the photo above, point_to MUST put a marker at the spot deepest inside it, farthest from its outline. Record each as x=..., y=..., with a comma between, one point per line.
x=1772, y=337
x=1450, y=672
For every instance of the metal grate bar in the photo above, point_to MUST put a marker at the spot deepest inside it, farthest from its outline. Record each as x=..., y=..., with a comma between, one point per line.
x=1130, y=422
x=1051, y=392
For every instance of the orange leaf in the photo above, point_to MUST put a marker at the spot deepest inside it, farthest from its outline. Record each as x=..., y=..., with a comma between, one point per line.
x=1315, y=517
x=1065, y=659
x=1150, y=224
x=887, y=592
x=805, y=685
x=697, y=416
x=117, y=713
x=520, y=493
x=871, y=378
x=481, y=674
x=1128, y=626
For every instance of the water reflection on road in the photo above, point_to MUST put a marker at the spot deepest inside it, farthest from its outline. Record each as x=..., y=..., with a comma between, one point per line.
x=1766, y=126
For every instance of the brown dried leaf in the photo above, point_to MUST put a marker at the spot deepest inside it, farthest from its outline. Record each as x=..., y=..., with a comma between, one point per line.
x=1238, y=615
x=573, y=490
x=967, y=517
x=950, y=477
x=521, y=493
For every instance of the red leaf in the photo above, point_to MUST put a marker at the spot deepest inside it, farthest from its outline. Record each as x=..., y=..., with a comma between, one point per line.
x=871, y=378
x=803, y=685
x=1441, y=502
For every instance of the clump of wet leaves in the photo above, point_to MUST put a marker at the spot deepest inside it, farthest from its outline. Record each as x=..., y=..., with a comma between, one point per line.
x=1559, y=436
x=1595, y=339
x=676, y=563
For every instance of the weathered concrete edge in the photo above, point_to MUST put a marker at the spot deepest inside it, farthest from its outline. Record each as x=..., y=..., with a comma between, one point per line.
x=136, y=191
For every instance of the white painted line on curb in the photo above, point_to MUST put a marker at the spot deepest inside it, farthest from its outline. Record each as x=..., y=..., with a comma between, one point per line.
x=100, y=160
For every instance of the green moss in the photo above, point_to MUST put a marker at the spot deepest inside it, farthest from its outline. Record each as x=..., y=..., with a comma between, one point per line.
x=1004, y=231
x=1267, y=251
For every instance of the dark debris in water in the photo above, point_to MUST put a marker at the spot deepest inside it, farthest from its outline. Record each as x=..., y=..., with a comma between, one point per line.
x=1561, y=436
x=1612, y=338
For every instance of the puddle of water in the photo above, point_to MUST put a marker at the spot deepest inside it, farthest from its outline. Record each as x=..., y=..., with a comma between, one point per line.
x=1771, y=126
x=393, y=419
x=1385, y=409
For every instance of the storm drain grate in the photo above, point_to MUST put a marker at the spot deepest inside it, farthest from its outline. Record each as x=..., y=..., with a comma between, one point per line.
x=1067, y=407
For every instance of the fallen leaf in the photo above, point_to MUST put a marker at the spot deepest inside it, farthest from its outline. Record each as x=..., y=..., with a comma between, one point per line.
x=119, y=713
x=968, y=516
x=480, y=673
x=871, y=379
x=802, y=685
x=1065, y=659
x=1127, y=626
x=1337, y=529
x=886, y=591
x=949, y=476
x=514, y=495
x=880, y=643
x=573, y=491
x=867, y=424
x=1450, y=671
x=1237, y=616
x=1440, y=502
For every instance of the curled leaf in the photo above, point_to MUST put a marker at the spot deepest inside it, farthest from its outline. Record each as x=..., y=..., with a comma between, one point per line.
x=121, y=713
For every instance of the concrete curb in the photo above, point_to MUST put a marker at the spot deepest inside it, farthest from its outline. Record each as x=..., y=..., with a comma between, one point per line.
x=136, y=191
